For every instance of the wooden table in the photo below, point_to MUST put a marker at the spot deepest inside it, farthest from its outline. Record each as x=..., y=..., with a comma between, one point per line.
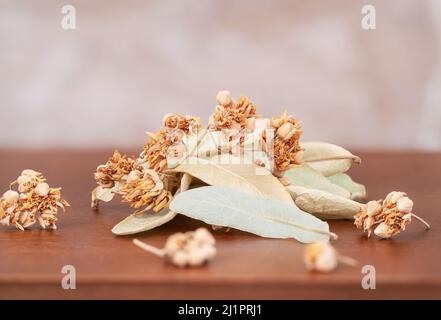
x=247, y=267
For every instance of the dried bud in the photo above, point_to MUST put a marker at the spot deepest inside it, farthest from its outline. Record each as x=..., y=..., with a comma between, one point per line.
x=389, y=217
x=30, y=173
x=224, y=98
x=384, y=231
x=250, y=124
x=37, y=202
x=286, y=131
x=10, y=197
x=404, y=204
x=320, y=256
x=42, y=189
x=193, y=248
x=134, y=175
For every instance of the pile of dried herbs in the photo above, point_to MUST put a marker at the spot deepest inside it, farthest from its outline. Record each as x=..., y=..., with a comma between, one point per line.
x=247, y=172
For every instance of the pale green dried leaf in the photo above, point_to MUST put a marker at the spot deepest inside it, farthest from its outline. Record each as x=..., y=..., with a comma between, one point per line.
x=144, y=221
x=230, y=171
x=324, y=205
x=270, y=218
x=307, y=177
x=327, y=158
x=357, y=190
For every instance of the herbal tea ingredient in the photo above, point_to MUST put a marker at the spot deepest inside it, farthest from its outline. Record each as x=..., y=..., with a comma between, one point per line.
x=262, y=216
x=309, y=176
x=34, y=201
x=231, y=114
x=285, y=147
x=189, y=249
x=152, y=190
x=322, y=257
x=389, y=217
x=143, y=221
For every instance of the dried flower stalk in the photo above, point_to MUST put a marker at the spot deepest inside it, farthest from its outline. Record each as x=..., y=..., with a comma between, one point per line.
x=389, y=217
x=34, y=201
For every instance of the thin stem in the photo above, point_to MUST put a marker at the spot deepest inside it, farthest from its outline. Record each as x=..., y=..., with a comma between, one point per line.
x=347, y=260
x=12, y=184
x=354, y=158
x=421, y=220
x=146, y=247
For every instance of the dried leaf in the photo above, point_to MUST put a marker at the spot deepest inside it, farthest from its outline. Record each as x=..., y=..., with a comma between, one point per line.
x=265, y=217
x=228, y=171
x=323, y=204
x=307, y=177
x=357, y=190
x=145, y=221
x=327, y=158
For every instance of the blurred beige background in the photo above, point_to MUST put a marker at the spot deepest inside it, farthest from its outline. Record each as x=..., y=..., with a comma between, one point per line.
x=129, y=62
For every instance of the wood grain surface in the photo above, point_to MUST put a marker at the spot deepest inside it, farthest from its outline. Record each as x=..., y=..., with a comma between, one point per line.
x=247, y=267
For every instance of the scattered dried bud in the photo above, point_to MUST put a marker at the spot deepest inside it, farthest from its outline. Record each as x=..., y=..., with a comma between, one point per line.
x=36, y=202
x=322, y=257
x=193, y=249
x=224, y=98
x=387, y=218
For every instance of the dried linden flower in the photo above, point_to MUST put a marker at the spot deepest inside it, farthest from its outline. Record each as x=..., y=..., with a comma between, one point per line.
x=232, y=115
x=322, y=257
x=285, y=149
x=389, y=217
x=114, y=170
x=146, y=189
x=190, y=249
x=34, y=201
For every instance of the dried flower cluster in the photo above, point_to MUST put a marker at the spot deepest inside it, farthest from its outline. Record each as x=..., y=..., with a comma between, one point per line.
x=189, y=249
x=158, y=147
x=141, y=188
x=285, y=147
x=145, y=189
x=322, y=257
x=114, y=170
x=387, y=218
x=34, y=201
x=232, y=115
x=141, y=181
